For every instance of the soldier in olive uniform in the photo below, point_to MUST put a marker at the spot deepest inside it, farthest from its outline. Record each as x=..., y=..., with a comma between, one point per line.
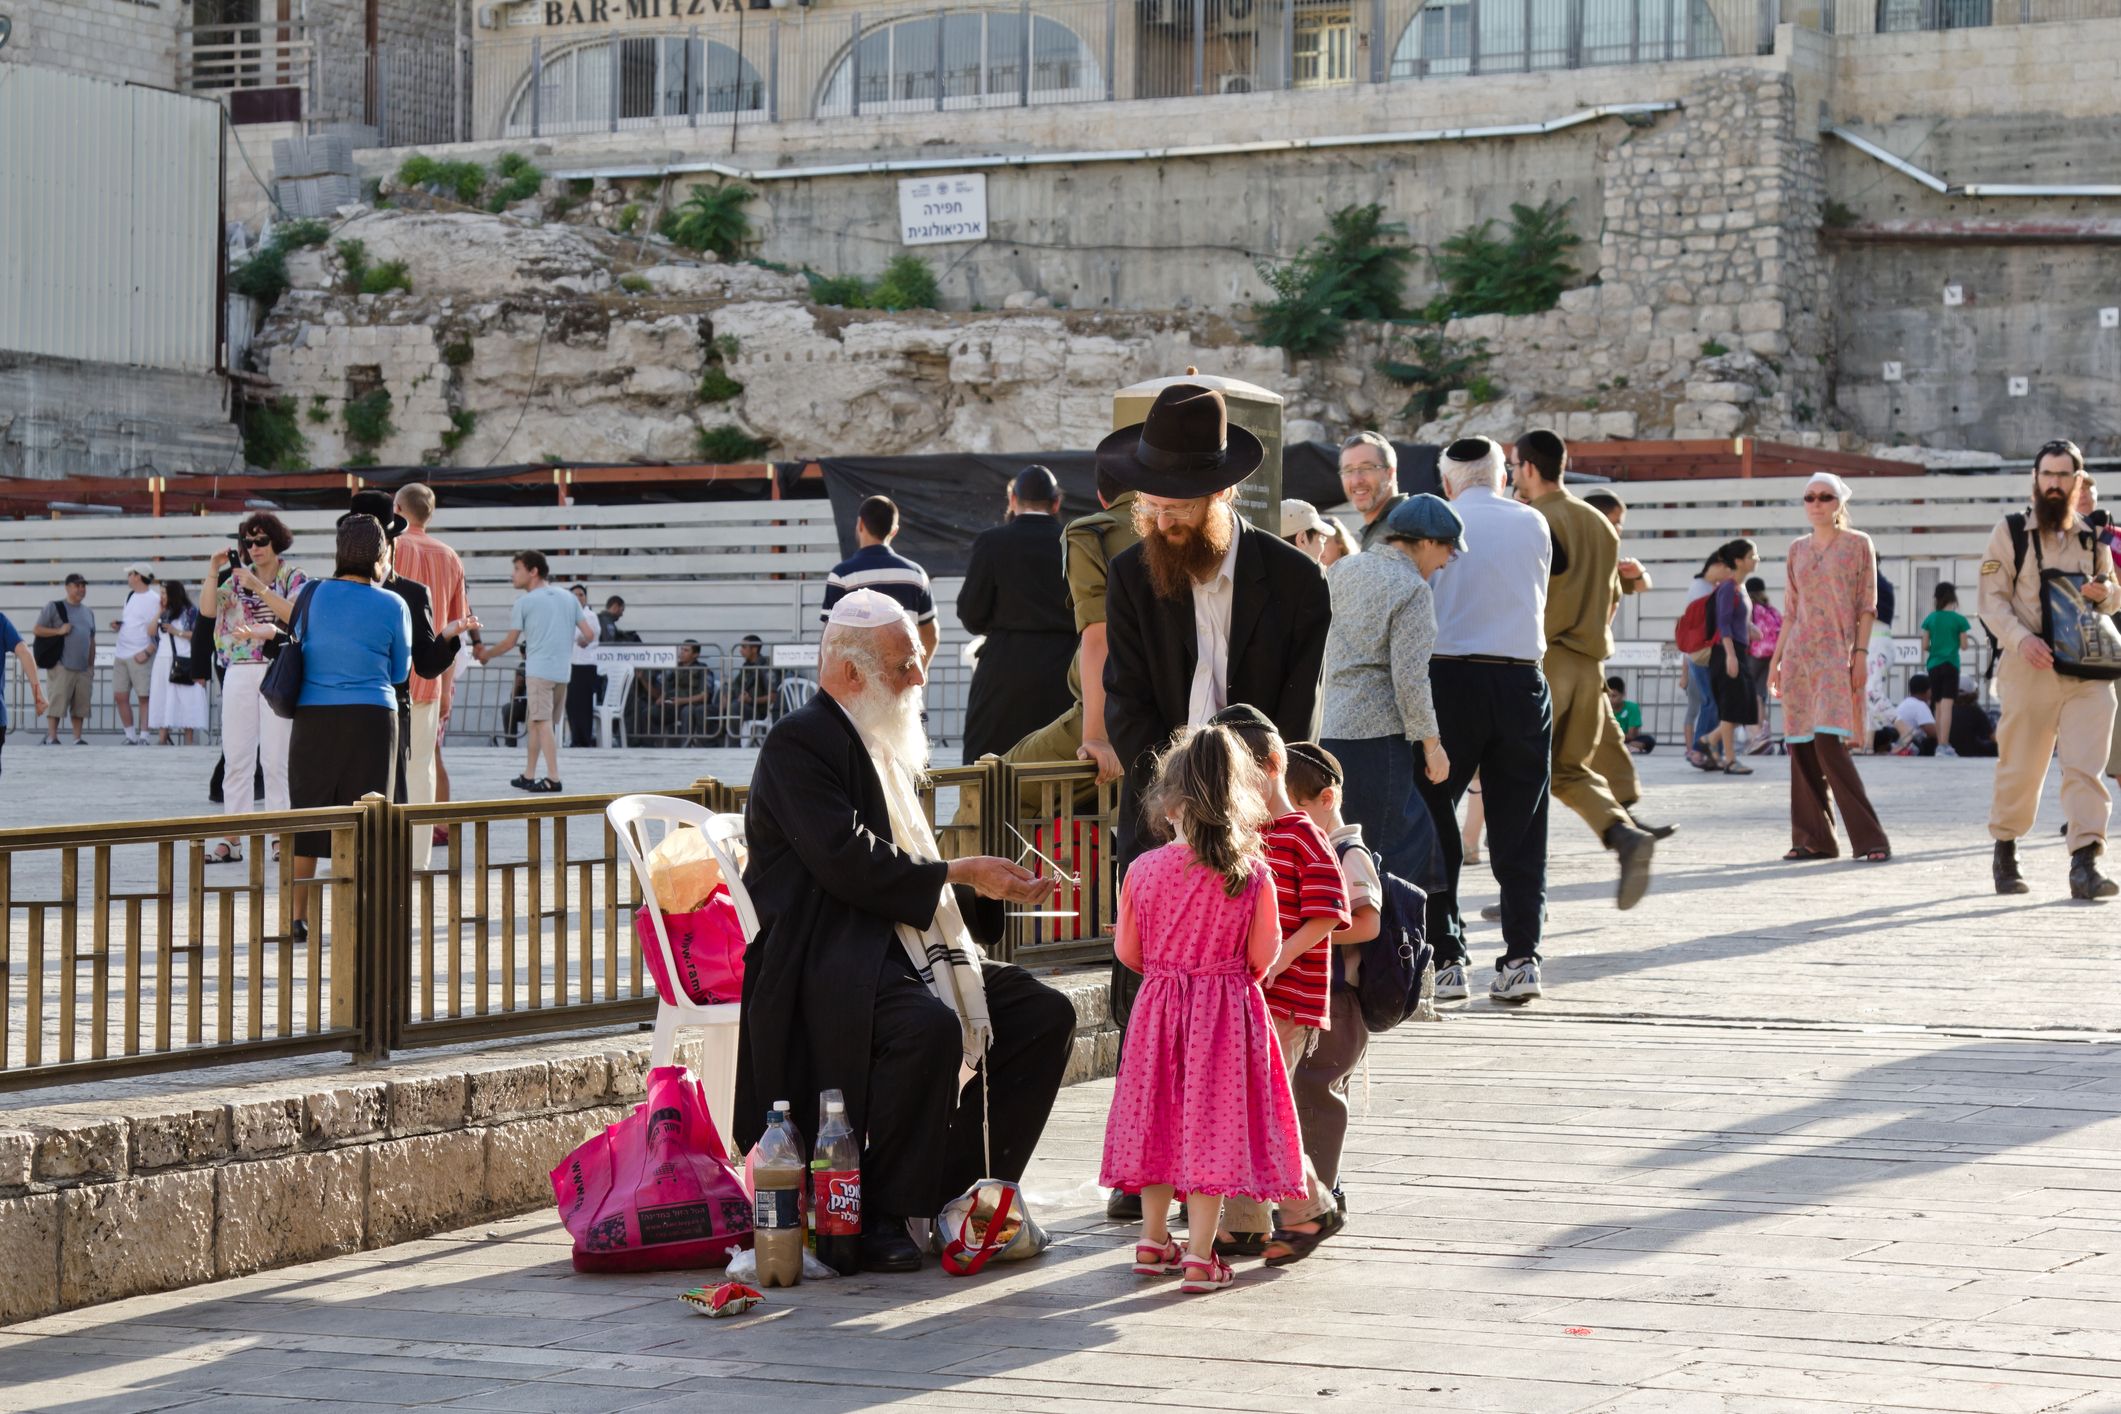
x=1079, y=733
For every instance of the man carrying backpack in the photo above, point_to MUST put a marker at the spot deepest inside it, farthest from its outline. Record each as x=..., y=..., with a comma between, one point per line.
x=65, y=635
x=2058, y=698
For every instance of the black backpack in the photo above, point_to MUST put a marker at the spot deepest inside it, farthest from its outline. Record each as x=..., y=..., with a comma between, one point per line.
x=46, y=652
x=1393, y=962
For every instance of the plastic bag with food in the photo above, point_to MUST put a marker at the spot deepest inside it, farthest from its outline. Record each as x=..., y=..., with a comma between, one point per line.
x=683, y=871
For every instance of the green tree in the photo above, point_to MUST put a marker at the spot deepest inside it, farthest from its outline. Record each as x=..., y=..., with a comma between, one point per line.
x=712, y=218
x=1522, y=272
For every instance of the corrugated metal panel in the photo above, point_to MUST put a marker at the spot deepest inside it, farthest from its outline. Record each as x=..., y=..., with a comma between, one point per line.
x=109, y=220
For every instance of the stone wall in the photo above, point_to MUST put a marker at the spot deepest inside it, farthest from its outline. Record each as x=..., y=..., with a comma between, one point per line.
x=105, y=1199
x=68, y=417
x=122, y=40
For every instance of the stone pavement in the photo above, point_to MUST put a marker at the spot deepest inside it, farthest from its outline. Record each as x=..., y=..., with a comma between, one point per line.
x=1782, y=1141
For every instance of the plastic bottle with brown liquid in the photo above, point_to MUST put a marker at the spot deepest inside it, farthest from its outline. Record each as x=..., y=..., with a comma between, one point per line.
x=777, y=1179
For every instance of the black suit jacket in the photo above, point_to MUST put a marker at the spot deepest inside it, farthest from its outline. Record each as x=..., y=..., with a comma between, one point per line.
x=1015, y=583
x=1278, y=620
x=831, y=888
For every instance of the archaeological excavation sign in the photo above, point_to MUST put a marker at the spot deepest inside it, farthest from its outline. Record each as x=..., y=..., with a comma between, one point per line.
x=935, y=210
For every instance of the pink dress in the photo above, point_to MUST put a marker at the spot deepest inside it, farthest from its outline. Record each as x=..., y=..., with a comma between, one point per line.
x=1830, y=590
x=1202, y=1102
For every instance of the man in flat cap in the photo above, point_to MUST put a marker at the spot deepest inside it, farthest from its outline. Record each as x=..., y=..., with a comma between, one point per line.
x=866, y=975
x=1016, y=594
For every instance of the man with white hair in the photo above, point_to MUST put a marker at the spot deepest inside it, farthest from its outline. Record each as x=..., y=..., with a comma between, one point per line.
x=867, y=975
x=1495, y=715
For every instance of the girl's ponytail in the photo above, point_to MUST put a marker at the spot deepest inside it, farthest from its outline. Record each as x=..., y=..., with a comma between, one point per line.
x=1209, y=788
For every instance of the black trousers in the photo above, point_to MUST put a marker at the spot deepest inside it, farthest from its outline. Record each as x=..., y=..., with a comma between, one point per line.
x=582, y=704
x=924, y=1137
x=1496, y=719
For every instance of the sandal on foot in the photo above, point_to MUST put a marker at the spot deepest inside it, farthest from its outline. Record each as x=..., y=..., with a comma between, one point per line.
x=1151, y=1260
x=1797, y=854
x=1736, y=767
x=224, y=853
x=1241, y=1244
x=1876, y=856
x=1298, y=1245
x=1205, y=1274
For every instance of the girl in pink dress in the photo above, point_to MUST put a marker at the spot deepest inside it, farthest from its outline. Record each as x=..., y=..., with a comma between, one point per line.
x=1202, y=1103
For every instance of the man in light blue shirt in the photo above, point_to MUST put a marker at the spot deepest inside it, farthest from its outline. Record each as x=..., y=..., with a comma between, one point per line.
x=1494, y=714
x=549, y=622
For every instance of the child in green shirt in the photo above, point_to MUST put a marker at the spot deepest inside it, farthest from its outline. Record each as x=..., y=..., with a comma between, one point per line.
x=1629, y=716
x=1942, y=633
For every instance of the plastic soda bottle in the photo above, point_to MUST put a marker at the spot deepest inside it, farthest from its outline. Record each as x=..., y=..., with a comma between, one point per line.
x=777, y=1206
x=836, y=1190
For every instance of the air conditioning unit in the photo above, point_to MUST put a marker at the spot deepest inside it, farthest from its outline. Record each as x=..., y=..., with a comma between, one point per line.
x=489, y=17
x=1234, y=83
x=1233, y=17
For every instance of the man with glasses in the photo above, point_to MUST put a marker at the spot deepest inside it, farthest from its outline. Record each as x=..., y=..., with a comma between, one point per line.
x=2047, y=711
x=1369, y=474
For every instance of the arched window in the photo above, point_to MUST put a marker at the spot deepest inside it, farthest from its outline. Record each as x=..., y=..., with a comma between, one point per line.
x=661, y=80
x=1490, y=36
x=974, y=58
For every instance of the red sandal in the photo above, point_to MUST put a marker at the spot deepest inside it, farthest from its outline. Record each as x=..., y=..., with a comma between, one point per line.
x=1205, y=1274
x=1151, y=1260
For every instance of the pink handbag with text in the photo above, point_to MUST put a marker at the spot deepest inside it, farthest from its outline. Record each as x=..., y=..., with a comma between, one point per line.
x=708, y=944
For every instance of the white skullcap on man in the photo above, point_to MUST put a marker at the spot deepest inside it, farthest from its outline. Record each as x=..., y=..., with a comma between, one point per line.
x=1832, y=483
x=866, y=608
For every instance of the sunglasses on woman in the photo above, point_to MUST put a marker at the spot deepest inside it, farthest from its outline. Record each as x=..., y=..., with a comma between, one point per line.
x=1821, y=498
x=257, y=542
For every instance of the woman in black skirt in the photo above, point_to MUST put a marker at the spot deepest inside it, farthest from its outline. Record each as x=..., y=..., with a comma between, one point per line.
x=356, y=646
x=1730, y=611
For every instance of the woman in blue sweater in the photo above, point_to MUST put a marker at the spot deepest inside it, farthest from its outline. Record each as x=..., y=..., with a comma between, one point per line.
x=356, y=646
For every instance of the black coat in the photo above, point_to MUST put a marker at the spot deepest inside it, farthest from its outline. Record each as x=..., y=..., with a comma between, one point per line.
x=1016, y=593
x=830, y=888
x=1278, y=619
x=432, y=656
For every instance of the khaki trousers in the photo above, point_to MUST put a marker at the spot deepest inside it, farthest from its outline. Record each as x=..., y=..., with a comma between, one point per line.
x=1245, y=1215
x=1583, y=717
x=1614, y=761
x=420, y=774
x=2046, y=714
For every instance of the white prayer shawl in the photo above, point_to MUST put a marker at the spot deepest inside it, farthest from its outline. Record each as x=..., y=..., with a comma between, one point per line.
x=945, y=953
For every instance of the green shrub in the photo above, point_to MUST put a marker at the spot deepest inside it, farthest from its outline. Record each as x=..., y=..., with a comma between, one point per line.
x=382, y=279
x=1521, y=272
x=271, y=437
x=1352, y=271
x=845, y=291
x=519, y=179
x=263, y=277
x=712, y=218
x=1481, y=389
x=718, y=387
x=367, y=423
x=1837, y=216
x=457, y=352
x=294, y=235
x=729, y=443
x=581, y=186
x=907, y=283
x=635, y=284
x=354, y=255
x=1433, y=364
x=727, y=346
x=462, y=423
x=463, y=181
x=629, y=217
x=1304, y=316
x=319, y=410
x=1712, y=349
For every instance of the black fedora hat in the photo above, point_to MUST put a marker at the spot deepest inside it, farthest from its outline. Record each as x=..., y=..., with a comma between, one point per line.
x=380, y=504
x=1186, y=447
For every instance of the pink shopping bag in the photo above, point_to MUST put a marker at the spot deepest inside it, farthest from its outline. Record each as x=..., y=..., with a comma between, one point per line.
x=653, y=1192
x=708, y=944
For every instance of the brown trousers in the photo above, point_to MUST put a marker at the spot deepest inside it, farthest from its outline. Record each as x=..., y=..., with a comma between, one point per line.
x=1583, y=718
x=1817, y=768
x=2046, y=714
x=1614, y=761
x=1321, y=1085
x=1251, y=1215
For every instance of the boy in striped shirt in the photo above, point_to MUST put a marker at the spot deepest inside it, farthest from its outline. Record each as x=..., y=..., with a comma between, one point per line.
x=1313, y=900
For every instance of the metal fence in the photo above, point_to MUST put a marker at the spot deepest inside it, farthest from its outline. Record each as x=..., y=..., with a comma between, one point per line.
x=1914, y=16
x=124, y=948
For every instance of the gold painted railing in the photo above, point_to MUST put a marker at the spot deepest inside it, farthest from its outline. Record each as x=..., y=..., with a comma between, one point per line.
x=123, y=948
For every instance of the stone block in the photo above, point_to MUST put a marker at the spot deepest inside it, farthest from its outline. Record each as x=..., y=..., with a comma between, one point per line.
x=580, y=1081
x=69, y=1150
x=1759, y=316
x=1767, y=345
x=1616, y=424
x=180, y=1137
x=18, y=1150
x=1715, y=319
x=348, y=1113
x=629, y=1070
x=1715, y=419
x=500, y=1091
x=1720, y=392
x=29, y=1256
x=141, y=1234
x=427, y=1103
x=1583, y=300
x=424, y=1184
x=276, y=1212
x=521, y=1155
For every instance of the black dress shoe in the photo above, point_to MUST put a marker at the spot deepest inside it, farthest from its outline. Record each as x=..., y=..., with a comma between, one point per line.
x=1656, y=832
x=2005, y=869
x=1124, y=1207
x=887, y=1247
x=1634, y=847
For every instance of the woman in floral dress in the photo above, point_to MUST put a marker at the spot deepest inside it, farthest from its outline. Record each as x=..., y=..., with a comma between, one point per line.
x=1818, y=672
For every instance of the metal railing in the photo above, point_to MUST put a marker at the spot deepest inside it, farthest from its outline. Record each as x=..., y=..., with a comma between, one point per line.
x=1856, y=17
x=124, y=948
x=213, y=59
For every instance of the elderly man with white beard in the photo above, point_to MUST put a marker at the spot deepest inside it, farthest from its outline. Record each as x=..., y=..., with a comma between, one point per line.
x=867, y=974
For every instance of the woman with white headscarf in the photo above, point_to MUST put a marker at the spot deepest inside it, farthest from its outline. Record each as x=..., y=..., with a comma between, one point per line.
x=1819, y=672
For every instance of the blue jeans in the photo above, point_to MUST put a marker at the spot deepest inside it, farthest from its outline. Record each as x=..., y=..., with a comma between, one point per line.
x=1702, y=691
x=1379, y=794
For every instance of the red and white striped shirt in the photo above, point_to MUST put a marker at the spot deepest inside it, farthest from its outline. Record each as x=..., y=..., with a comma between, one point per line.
x=1307, y=884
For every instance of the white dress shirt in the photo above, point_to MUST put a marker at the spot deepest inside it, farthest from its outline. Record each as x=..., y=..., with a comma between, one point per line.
x=1211, y=637
x=1491, y=601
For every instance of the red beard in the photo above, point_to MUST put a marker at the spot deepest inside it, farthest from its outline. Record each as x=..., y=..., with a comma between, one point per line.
x=1186, y=555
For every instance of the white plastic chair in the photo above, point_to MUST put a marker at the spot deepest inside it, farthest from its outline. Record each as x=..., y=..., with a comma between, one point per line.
x=794, y=693
x=611, y=712
x=629, y=816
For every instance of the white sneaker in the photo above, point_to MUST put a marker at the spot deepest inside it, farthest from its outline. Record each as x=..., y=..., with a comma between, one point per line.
x=1515, y=984
x=1451, y=983
x=1946, y=750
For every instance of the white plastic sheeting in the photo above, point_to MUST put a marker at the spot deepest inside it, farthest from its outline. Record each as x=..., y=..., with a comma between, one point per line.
x=110, y=239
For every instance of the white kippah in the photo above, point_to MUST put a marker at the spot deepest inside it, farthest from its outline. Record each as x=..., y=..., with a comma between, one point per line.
x=866, y=608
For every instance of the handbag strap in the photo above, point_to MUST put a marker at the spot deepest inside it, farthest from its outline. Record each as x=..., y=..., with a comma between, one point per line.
x=309, y=592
